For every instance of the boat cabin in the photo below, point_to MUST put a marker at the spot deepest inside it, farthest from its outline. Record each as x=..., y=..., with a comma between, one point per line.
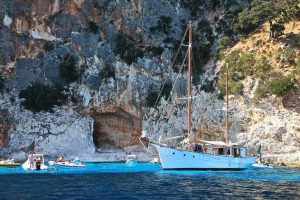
x=35, y=161
x=217, y=148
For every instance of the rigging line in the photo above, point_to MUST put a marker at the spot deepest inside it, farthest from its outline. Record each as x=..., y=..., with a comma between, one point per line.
x=182, y=40
x=181, y=68
x=192, y=97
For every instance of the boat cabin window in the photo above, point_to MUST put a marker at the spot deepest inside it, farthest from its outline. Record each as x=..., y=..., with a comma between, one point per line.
x=220, y=151
x=198, y=148
x=236, y=152
x=243, y=152
x=227, y=151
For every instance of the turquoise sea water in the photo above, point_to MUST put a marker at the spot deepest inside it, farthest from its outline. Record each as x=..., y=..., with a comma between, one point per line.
x=147, y=181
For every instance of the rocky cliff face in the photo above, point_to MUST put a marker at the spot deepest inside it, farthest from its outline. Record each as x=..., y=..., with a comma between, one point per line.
x=124, y=50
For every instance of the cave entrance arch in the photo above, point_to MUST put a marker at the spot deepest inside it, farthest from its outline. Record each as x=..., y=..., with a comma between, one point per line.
x=117, y=129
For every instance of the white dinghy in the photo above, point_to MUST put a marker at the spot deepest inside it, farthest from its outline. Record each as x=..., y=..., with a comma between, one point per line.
x=260, y=165
x=65, y=163
x=34, y=162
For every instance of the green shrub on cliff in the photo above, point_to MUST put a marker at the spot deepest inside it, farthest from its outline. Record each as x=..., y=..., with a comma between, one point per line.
x=68, y=70
x=152, y=96
x=234, y=87
x=153, y=92
x=39, y=97
x=92, y=27
x=192, y=5
x=260, y=92
x=297, y=70
x=108, y=72
x=127, y=48
x=262, y=67
x=163, y=25
x=281, y=85
x=224, y=42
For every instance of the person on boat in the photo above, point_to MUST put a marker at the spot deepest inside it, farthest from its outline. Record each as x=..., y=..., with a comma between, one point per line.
x=38, y=163
x=60, y=159
x=259, y=159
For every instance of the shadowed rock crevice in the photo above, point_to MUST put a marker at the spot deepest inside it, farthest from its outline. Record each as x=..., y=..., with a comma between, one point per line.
x=291, y=101
x=116, y=129
x=5, y=126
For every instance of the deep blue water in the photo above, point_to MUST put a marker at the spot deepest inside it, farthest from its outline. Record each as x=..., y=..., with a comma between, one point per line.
x=146, y=181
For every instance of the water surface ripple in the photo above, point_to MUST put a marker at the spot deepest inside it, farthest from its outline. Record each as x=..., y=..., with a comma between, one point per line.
x=145, y=181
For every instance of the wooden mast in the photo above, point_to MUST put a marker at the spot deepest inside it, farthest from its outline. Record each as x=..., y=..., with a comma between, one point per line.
x=189, y=76
x=227, y=107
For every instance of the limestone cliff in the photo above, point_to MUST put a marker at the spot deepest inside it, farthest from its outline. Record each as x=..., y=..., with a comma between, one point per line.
x=123, y=51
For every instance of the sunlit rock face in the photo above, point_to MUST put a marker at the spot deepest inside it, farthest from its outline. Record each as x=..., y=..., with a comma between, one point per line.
x=63, y=132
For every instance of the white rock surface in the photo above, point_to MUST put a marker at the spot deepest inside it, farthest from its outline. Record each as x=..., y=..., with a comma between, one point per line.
x=7, y=21
x=40, y=33
x=63, y=132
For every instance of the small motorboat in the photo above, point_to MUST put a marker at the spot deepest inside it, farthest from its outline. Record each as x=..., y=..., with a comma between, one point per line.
x=65, y=163
x=10, y=163
x=34, y=162
x=261, y=165
x=154, y=161
x=131, y=160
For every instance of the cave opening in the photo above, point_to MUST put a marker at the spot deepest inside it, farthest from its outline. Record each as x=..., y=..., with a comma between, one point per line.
x=116, y=129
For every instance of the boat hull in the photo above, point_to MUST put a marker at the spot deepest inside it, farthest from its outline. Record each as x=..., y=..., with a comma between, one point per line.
x=262, y=166
x=26, y=166
x=66, y=164
x=175, y=159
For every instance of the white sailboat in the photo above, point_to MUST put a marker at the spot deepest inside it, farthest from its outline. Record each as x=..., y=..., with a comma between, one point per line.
x=208, y=155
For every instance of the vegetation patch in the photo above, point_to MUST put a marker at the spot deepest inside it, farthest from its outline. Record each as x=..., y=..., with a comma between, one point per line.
x=154, y=51
x=281, y=85
x=68, y=70
x=153, y=92
x=108, y=72
x=127, y=48
x=234, y=87
x=262, y=68
x=48, y=46
x=152, y=96
x=192, y=5
x=224, y=42
x=297, y=69
x=260, y=92
x=40, y=97
x=288, y=56
x=163, y=25
x=92, y=27
x=240, y=64
x=276, y=13
x=208, y=86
